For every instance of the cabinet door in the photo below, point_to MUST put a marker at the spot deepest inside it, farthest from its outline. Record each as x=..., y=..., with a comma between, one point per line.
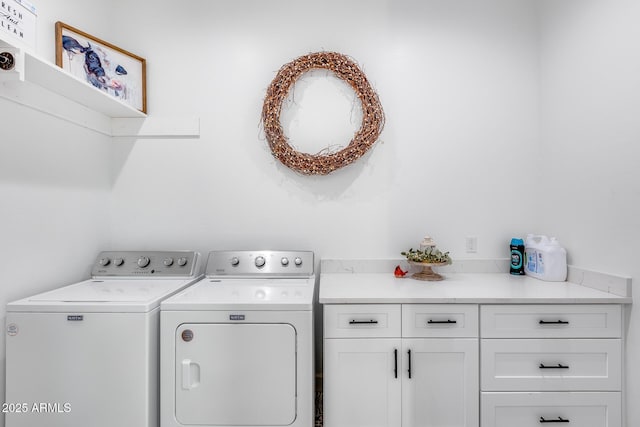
x=440, y=382
x=362, y=382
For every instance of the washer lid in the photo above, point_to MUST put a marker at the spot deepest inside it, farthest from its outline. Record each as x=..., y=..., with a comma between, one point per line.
x=112, y=295
x=245, y=294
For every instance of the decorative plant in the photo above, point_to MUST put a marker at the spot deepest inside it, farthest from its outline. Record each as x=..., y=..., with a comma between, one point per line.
x=429, y=254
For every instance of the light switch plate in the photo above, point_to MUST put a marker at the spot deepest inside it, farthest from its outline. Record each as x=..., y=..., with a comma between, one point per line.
x=471, y=244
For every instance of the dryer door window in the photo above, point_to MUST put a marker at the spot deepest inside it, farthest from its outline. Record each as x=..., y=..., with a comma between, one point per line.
x=235, y=374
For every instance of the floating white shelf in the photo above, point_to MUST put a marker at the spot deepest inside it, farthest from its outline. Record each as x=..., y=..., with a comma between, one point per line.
x=42, y=86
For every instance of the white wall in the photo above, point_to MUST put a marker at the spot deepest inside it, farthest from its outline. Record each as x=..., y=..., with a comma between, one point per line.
x=459, y=85
x=590, y=86
x=54, y=192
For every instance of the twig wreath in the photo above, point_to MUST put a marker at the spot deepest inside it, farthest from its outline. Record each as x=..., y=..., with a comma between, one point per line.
x=363, y=139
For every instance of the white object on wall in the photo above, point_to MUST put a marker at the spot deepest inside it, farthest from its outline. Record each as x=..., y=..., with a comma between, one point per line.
x=18, y=22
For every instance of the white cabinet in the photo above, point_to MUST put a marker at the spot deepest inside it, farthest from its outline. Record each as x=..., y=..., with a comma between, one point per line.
x=377, y=373
x=551, y=321
x=362, y=383
x=362, y=321
x=440, y=320
x=553, y=409
x=551, y=364
x=440, y=383
x=487, y=350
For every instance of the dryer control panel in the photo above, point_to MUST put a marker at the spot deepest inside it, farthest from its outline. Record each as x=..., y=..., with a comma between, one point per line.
x=172, y=264
x=260, y=264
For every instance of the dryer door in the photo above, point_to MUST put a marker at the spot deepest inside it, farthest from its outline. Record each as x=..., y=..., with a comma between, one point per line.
x=235, y=374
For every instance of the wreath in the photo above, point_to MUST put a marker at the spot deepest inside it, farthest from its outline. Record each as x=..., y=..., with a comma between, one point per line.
x=321, y=163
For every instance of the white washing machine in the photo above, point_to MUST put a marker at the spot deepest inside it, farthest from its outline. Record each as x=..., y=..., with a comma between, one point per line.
x=88, y=354
x=237, y=347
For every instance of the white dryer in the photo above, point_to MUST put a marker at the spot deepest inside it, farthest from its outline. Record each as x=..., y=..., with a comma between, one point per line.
x=88, y=354
x=237, y=347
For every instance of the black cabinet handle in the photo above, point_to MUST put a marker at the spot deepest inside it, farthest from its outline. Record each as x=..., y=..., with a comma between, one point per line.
x=409, y=370
x=363, y=322
x=559, y=420
x=431, y=322
x=395, y=356
x=558, y=366
x=554, y=322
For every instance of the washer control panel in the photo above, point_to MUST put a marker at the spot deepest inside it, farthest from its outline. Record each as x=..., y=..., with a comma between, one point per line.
x=260, y=263
x=146, y=264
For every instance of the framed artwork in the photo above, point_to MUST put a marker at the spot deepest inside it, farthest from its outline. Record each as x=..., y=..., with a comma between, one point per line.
x=109, y=68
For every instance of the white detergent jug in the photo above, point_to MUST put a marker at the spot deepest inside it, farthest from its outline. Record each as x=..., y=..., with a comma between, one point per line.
x=545, y=258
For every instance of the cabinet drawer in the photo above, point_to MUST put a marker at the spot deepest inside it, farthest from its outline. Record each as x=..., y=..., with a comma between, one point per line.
x=362, y=321
x=440, y=320
x=550, y=321
x=550, y=409
x=551, y=365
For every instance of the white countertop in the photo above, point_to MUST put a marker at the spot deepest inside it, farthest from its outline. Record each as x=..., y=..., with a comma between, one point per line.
x=472, y=288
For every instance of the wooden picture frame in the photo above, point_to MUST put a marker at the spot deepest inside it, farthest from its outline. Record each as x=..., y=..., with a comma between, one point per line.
x=109, y=68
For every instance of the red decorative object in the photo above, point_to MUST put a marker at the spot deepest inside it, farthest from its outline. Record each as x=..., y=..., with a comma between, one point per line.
x=399, y=273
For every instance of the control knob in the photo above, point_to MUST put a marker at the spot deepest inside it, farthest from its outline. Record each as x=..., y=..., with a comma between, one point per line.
x=260, y=261
x=143, y=261
x=284, y=261
x=168, y=262
x=7, y=61
x=118, y=262
x=104, y=262
x=182, y=261
x=298, y=261
x=235, y=261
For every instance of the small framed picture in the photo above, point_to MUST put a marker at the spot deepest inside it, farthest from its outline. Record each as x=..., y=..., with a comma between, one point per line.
x=109, y=68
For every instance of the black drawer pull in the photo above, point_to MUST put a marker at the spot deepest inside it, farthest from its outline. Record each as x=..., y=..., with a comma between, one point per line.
x=363, y=322
x=431, y=322
x=559, y=420
x=409, y=370
x=558, y=366
x=395, y=356
x=555, y=322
